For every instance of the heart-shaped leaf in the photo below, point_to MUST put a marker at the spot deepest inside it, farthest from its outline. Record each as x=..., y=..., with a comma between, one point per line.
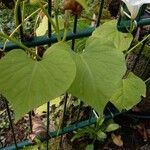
x=129, y=92
x=28, y=84
x=99, y=68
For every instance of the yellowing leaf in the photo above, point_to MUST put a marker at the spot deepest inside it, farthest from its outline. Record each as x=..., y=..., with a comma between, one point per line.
x=117, y=140
x=43, y=26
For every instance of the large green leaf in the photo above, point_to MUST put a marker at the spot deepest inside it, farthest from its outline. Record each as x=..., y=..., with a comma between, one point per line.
x=28, y=84
x=129, y=92
x=99, y=68
x=108, y=31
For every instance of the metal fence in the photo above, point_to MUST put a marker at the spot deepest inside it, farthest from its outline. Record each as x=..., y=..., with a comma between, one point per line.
x=70, y=36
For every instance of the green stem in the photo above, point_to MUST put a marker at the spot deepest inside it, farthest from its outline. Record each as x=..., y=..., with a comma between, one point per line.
x=66, y=24
x=15, y=30
x=15, y=41
x=28, y=50
x=57, y=26
x=131, y=26
x=65, y=34
x=137, y=44
x=56, y=18
x=147, y=80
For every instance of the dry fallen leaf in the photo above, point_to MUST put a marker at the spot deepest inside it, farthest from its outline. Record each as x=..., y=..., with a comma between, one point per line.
x=38, y=129
x=117, y=140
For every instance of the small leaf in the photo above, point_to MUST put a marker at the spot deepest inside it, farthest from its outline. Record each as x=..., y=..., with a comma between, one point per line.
x=109, y=32
x=83, y=3
x=112, y=127
x=101, y=135
x=129, y=92
x=100, y=121
x=117, y=140
x=28, y=84
x=90, y=147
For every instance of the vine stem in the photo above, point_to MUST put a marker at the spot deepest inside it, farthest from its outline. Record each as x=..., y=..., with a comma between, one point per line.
x=56, y=18
x=28, y=50
x=137, y=44
x=147, y=80
x=57, y=26
x=15, y=30
x=23, y=12
x=15, y=41
x=66, y=24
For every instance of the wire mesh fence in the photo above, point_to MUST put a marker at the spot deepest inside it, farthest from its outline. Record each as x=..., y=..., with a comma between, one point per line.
x=75, y=34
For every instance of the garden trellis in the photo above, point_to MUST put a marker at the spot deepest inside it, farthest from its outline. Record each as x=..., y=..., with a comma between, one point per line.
x=123, y=24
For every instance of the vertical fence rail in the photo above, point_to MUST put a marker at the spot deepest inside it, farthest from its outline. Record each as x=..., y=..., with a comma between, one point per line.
x=20, y=22
x=63, y=118
x=11, y=123
x=47, y=129
x=74, y=31
x=78, y=113
x=30, y=120
x=100, y=13
x=50, y=14
x=48, y=104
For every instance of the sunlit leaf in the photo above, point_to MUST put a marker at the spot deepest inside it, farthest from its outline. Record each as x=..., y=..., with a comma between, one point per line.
x=112, y=127
x=99, y=68
x=108, y=31
x=28, y=84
